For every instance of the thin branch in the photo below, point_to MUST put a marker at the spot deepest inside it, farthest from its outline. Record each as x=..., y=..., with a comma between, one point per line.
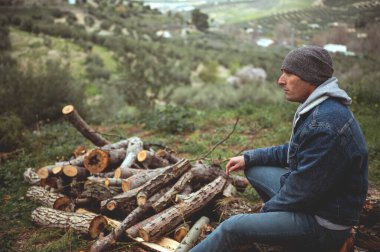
x=220, y=142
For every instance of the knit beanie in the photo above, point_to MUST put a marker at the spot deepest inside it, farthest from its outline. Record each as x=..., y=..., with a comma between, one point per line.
x=311, y=63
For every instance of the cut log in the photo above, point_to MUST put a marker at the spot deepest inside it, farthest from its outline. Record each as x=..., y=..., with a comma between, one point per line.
x=181, y=231
x=80, y=173
x=171, y=173
x=49, y=199
x=135, y=216
x=48, y=170
x=162, y=244
x=31, y=176
x=113, y=182
x=126, y=172
x=125, y=201
x=208, y=173
x=135, y=145
x=192, y=236
x=140, y=179
x=77, y=121
x=148, y=159
x=171, y=217
x=111, y=222
x=168, y=156
x=169, y=197
x=99, y=160
x=81, y=223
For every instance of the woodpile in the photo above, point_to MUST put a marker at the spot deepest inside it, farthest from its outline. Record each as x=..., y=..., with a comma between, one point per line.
x=128, y=190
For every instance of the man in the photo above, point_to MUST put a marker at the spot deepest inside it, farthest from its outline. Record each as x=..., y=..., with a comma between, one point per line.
x=313, y=187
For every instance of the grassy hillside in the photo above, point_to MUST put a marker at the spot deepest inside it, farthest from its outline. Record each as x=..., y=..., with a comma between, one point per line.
x=128, y=81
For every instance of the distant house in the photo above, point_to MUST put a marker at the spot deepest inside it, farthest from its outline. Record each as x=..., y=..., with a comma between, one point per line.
x=334, y=48
x=264, y=42
x=73, y=2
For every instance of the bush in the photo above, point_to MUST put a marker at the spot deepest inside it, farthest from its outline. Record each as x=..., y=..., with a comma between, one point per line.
x=37, y=94
x=170, y=119
x=11, y=129
x=89, y=21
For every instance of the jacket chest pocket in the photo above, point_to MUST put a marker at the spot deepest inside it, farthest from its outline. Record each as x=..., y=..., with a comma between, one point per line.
x=293, y=151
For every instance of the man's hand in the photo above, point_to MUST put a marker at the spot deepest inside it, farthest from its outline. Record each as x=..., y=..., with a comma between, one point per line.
x=235, y=163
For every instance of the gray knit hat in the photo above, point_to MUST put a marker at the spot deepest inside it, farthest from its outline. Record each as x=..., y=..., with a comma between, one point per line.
x=311, y=63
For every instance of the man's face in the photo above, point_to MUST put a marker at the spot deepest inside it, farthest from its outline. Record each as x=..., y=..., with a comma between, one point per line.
x=295, y=89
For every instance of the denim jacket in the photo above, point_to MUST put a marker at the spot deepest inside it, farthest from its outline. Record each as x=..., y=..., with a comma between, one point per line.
x=327, y=160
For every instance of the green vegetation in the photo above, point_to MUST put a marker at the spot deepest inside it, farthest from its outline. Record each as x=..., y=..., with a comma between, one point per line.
x=130, y=81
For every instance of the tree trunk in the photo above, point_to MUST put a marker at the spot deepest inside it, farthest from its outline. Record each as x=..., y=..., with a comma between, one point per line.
x=49, y=199
x=169, y=197
x=171, y=217
x=77, y=121
x=192, y=236
x=171, y=173
x=135, y=216
x=89, y=224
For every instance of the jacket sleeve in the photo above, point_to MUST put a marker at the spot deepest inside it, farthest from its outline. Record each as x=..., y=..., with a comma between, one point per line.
x=272, y=156
x=320, y=163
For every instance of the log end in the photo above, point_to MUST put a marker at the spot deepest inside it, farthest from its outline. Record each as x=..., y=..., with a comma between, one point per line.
x=125, y=186
x=43, y=172
x=142, y=156
x=117, y=173
x=143, y=234
x=70, y=171
x=111, y=205
x=97, y=225
x=96, y=161
x=63, y=203
x=141, y=198
x=67, y=109
x=56, y=170
x=181, y=232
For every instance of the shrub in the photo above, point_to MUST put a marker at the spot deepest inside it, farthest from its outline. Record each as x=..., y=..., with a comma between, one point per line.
x=89, y=21
x=170, y=119
x=11, y=128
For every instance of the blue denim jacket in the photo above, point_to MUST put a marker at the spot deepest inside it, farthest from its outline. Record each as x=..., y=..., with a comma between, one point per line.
x=328, y=165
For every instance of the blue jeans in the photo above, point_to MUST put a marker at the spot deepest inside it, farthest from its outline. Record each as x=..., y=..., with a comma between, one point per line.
x=294, y=230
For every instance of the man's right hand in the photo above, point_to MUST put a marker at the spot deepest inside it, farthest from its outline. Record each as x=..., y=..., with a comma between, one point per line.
x=235, y=163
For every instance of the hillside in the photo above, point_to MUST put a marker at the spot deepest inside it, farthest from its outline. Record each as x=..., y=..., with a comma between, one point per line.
x=131, y=70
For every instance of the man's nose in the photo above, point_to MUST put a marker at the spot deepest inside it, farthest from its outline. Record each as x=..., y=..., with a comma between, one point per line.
x=281, y=80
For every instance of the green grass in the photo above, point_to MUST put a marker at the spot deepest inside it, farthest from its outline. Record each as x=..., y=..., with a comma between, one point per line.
x=241, y=12
x=108, y=58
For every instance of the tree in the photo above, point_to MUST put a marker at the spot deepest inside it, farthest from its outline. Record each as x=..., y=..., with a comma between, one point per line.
x=199, y=19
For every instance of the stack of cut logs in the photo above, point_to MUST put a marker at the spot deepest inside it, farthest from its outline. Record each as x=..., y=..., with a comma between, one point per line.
x=128, y=190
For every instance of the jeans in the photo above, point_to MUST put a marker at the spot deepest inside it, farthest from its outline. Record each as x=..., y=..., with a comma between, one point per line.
x=293, y=230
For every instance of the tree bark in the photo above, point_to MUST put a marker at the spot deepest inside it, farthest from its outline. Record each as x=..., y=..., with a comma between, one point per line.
x=77, y=121
x=172, y=172
x=171, y=217
x=140, y=179
x=192, y=236
x=49, y=199
x=89, y=224
x=135, y=216
x=168, y=156
x=135, y=145
x=207, y=173
x=169, y=197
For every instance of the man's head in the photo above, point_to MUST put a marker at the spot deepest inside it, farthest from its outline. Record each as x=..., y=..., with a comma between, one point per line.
x=303, y=70
x=311, y=63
